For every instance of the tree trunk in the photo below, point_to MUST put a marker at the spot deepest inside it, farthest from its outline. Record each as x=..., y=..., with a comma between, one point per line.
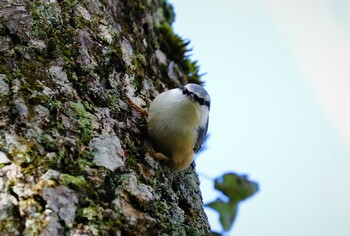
x=73, y=152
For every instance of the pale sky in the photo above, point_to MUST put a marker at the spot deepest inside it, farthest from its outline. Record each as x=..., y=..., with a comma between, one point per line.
x=279, y=79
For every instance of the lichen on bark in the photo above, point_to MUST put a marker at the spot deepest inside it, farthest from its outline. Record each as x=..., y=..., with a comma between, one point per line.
x=73, y=152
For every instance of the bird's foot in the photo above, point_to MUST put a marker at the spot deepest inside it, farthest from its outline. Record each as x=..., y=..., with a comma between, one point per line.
x=158, y=155
x=143, y=113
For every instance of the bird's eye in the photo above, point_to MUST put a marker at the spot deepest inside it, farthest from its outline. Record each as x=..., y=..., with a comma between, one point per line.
x=200, y=101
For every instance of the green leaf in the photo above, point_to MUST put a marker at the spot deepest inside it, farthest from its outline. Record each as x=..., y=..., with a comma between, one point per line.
x=226, y=210
x=236, y=187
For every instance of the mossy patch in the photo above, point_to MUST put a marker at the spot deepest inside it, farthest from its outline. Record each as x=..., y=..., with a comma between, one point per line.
x=84, y=121
x=176, y=49
x=75, y=182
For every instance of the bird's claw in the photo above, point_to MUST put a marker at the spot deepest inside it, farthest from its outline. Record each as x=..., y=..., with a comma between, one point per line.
x=158, y=155
x=143, y=113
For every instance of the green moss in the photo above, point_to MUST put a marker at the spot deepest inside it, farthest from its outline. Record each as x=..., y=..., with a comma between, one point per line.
x=176, y=50
x=82, y=165
x=30, y=75
x=34, y=73
x=79, y=109
x=168, y=12
x=80, y=22
x=15, y=74
x=137, y=83
x=131, y=163
x=3, y=68
x=89, y=107
x=47, y=141
x=55, y=105
x=79, y=163
x=112, y=100
x=91, y=213
x=34, y=227
x=84, y=121
x=191, y=231
x=76, y=182
x=24, y=156
x=11, y=225
x=133, y=149
x=96, y=219
x=44, y=20
x=142, y=59
x=57, y=30
x=54, y=30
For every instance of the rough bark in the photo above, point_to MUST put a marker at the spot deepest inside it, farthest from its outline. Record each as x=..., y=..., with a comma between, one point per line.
x=73, y=153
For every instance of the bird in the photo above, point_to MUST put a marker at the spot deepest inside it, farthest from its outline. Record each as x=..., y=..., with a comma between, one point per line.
x=178, y=123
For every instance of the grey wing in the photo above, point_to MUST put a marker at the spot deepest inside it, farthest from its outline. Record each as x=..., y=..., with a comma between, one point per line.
x=201, y=134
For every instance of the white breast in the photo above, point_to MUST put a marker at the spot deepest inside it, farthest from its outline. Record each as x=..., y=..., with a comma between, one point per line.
x=173, y=122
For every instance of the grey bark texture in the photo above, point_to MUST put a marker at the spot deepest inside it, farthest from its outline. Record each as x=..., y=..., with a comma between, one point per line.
x=73, y=152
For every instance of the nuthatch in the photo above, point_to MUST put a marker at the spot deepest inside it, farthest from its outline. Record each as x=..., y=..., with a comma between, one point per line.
x=178, y=123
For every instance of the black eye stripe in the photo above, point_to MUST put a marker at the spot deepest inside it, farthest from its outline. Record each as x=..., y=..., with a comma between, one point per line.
x=201, y=101
x=185, y=91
